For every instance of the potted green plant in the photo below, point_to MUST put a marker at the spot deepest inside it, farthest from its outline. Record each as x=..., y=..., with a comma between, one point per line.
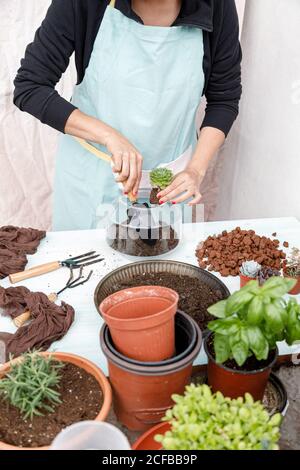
x=201, y=420
x=160, y=179
x=292, y=270
x=42, y=393
x=242, y=347
x=266, y=273
x=248, y=272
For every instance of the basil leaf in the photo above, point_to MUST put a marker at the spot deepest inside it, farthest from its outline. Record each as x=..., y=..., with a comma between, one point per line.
x=226, y=326
x=222, y=348
x=257, y=342
x=239, y=348
x=255, y=311
x=293, y=323
x=237, y=301
x=219, y=309
x=276, y=287
x=273, y=317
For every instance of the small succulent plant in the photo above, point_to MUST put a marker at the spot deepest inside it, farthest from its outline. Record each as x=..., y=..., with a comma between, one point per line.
x=250, y=269
x=31, y=384
x=161, y=178
x=203, y=421
x=293, y=263
x=266, y=273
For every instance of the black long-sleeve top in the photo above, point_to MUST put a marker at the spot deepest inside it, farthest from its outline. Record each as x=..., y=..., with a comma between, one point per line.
x=72, y=25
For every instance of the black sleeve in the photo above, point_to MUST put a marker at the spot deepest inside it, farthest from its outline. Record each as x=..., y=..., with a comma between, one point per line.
x=46, y=59
x=224, y=87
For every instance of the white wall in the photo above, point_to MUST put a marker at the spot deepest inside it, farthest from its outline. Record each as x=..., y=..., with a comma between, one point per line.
x=260, y=174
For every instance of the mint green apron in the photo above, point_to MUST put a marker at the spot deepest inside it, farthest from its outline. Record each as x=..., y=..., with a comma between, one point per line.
x=146, y=82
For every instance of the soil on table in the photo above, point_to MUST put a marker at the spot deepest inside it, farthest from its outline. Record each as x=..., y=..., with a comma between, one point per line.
x=194, y=295
x=82, y=399
x=142, y=242
x=251, y=363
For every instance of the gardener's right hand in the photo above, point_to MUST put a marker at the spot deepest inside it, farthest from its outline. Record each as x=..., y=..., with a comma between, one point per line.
x=128, y=161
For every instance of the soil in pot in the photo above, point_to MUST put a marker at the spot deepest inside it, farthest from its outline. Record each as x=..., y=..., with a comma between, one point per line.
x=153, y=196
x=142, y=242
x=81, y=396
x=194, y=295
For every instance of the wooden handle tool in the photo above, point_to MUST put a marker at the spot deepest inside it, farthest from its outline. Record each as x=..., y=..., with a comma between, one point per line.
x=24, y=317
x=90, y=148
x=35, y=271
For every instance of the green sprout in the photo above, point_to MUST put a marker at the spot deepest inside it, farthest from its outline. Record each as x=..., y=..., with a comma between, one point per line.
x=31, y=384
x=161, y=178
x=201, y=420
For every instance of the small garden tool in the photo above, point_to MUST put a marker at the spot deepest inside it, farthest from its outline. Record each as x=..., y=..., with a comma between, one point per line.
x=71, y=284
x=76, y=262
x=103, y=156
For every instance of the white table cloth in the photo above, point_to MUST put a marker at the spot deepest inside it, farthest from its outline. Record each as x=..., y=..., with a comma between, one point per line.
x=83, y=337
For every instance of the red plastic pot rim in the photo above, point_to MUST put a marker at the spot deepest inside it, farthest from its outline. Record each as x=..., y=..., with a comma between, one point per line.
x=240, y=372
x=126, y=295
x=151, y=370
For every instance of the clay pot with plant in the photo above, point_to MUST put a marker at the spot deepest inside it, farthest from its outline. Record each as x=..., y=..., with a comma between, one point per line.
x=201, y=420
x=249, y=272
x=42, y=393
x=292, y=270
x=160, y=179
x=242, y=346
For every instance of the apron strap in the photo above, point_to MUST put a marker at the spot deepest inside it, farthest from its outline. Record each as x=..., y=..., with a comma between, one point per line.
x=112, y=3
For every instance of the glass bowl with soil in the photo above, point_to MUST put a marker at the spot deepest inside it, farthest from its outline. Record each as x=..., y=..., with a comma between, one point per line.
x=142, y=229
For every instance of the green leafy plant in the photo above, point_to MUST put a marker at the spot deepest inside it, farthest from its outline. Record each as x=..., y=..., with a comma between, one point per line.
x=31, y=384
x=250, y=269
x=252, y=320
x=203, y=421
x=293, y=263
x=161, y=178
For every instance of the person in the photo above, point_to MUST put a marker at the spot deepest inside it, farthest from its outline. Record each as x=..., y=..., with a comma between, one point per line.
x=143, y=67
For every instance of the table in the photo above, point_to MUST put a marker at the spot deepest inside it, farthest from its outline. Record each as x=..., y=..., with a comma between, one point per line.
x=83, y=337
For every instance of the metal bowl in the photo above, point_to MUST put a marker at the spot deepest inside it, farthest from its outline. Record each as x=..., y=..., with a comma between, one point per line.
x=125, y=273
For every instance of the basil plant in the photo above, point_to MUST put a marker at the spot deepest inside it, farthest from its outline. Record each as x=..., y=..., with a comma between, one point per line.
x=201, y=420
x=252, y=320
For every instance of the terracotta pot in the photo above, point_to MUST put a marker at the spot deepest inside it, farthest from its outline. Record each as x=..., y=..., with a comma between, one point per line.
x=142, y=393
x=141, y=322
x=234, y=383
x=245, y=279
x=186, y=335
x=147, y=442
x=78, y=361
x=296, y=289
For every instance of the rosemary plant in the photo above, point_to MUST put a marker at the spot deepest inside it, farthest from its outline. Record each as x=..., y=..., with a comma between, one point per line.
x=31, y=385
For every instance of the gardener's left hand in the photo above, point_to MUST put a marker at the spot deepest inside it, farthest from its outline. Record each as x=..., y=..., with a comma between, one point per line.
x=185, y=185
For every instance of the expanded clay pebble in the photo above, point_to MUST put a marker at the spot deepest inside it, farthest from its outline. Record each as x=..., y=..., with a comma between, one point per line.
x=225, y=253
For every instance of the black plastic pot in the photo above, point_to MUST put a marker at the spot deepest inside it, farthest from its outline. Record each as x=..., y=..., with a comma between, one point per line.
x=186, y=332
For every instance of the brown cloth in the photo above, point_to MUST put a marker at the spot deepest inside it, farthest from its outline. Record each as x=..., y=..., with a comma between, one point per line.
x=15, y=244
x=49, y=323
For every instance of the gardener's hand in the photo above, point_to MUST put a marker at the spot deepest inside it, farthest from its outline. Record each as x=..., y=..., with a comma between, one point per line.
x=127, y=161
x=185, y=185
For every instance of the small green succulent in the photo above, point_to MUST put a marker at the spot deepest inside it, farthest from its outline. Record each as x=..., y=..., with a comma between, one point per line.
x=161, y=178
x=250, y=269
x=31, y=384
x=203, y=421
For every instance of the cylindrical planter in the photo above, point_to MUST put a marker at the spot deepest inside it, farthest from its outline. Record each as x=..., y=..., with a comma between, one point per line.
x=186, y=334
x=78, y=361
x=142, y=393
x=296, y=289
x=235, y=383
x=141, y=322
x=245, y=279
